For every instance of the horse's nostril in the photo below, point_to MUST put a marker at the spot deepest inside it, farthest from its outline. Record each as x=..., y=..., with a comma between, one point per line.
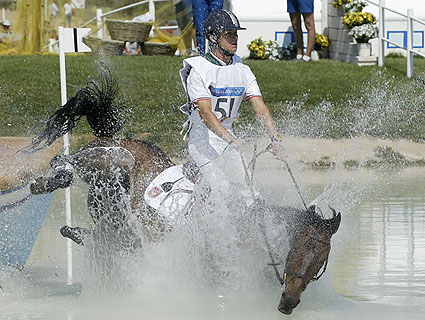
x=287, y=304
x=285, y=311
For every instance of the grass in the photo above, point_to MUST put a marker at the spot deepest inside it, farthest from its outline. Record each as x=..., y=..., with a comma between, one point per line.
x=322, y=99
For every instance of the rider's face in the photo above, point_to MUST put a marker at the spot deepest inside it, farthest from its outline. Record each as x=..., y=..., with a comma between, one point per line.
x=229, y=40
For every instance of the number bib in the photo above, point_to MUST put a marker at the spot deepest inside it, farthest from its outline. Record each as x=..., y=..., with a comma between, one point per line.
x=225, y=86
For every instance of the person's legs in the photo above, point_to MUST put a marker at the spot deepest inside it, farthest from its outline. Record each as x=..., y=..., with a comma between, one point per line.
x=68, y=20
x=200, y=13
x=311, y=31
x=214, y=5
x=296, y=25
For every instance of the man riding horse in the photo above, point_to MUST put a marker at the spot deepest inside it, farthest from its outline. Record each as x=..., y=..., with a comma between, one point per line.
x=216, y=85
x=119, y=171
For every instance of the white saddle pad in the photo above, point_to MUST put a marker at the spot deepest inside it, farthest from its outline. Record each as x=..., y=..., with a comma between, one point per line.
x=169, y=202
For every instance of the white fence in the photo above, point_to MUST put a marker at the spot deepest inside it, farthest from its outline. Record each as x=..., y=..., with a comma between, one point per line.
x=100, y=15
x=383, y=39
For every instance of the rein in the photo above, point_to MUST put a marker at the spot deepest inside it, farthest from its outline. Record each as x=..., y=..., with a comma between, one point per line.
x=249, y=181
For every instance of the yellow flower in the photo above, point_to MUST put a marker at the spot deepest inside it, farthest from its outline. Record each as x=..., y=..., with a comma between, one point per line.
x=339, y=3
x=353, y=19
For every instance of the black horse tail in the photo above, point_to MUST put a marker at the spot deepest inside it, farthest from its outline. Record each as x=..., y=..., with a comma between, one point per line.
x=96, y=101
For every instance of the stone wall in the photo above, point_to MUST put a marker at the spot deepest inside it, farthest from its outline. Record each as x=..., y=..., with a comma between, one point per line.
x=342, y=46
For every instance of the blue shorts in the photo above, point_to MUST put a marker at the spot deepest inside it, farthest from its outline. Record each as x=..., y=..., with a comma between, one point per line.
x=300, y=6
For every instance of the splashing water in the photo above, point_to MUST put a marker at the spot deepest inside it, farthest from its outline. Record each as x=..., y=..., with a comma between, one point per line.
x=382, y=107
x=213, y=265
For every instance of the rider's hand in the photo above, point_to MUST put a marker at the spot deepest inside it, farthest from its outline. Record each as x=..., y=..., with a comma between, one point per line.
x=279, y=151
x=237, y=143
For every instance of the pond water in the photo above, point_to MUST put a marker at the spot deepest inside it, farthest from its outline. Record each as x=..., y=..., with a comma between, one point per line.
x=377, y=262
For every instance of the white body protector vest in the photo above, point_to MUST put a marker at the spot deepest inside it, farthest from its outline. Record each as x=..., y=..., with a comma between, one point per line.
x=225, y=85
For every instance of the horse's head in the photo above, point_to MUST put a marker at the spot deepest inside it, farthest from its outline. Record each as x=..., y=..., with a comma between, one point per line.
x=308, y=255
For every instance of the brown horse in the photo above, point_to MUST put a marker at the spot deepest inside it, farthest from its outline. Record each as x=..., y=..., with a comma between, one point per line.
x=118, y=171
x=310, y=244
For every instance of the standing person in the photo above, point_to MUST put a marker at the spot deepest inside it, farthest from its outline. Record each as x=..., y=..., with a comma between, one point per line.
x=68, y=12
x=296, y=8
x=54, y=10
x=201, y=9
x=216, y=84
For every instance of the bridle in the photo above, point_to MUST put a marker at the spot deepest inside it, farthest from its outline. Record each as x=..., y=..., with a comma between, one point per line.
x=282, y=279
x=319, y=273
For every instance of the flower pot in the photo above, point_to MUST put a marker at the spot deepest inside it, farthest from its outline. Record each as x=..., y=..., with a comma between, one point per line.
x=364, y=49
x=314, y=55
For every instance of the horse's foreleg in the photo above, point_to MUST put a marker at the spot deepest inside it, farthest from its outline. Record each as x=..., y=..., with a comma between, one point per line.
x=76, y=234
x=43, y=185
x=61, y=177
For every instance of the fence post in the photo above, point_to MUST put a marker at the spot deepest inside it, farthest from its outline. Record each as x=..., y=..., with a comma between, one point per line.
x=99, y=23
x=381, y=42
x=409, y=43
x=325, y=17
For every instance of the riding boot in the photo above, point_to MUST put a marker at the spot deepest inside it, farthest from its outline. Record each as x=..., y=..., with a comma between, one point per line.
x=76, y=234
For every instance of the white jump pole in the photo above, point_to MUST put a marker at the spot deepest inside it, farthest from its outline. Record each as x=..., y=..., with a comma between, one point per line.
x=66, y=152
x=409, y=43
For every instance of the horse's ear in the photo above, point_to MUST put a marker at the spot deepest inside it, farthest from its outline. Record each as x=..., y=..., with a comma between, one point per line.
x=311, y=209
x=334, y=223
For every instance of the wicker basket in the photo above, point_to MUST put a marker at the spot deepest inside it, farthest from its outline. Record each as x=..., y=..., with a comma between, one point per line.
x=104, y=47
x=156, y=48
x=128, y=30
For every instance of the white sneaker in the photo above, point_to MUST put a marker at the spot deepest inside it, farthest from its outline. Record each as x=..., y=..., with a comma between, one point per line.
x=299, y=57
x=306, y=58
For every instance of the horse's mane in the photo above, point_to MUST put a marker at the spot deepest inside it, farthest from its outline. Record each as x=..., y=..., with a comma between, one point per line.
x=96, y=101
x=298, y=220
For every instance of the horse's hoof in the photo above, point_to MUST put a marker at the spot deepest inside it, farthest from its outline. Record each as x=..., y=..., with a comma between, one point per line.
x=76, y=234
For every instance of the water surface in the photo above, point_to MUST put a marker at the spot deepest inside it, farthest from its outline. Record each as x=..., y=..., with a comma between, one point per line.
x=377, y=263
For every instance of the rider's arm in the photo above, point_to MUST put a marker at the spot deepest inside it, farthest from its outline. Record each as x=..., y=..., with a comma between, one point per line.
x=253, y=95
x=263, y=114
x=212, y=122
